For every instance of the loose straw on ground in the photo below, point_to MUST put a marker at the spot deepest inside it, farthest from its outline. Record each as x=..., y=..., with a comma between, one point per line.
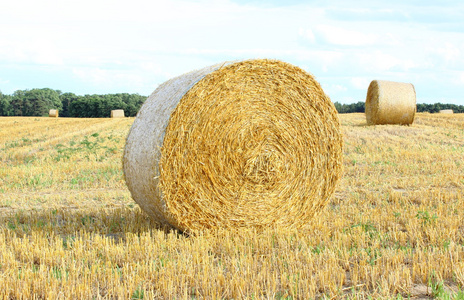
x=53, y=113
x=254, y=143
x=117, y=113
x=389, y=102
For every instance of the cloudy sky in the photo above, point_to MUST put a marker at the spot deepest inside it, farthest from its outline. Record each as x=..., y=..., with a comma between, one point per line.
x=100, y=46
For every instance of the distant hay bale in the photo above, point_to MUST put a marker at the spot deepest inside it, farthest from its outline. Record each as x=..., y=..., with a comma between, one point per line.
x=446, y=111
x=255, y=143
x=389, y=102
x=117, y=113
x=53, y=113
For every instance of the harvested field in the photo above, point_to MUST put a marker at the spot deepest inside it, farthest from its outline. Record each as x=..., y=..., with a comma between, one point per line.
x=394, y=227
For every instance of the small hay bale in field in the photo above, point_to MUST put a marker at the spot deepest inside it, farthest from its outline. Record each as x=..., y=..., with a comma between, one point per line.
x=389, y=102
x=117, y=113
x=255, y=143
x=446, y=111
x=53, y=113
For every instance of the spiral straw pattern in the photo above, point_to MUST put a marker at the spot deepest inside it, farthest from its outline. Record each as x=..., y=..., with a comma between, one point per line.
x=255, y=143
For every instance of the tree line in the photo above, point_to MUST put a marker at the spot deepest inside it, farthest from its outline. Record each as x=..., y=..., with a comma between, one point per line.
x=38, y=102
x=431, y=108
x=434, y=108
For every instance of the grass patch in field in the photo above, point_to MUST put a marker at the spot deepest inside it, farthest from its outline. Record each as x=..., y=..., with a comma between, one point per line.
x=92, y=147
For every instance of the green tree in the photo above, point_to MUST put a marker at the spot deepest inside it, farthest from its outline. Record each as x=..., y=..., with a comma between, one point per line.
x=66, y=100
x=436, y=108
x=338, y=107
x=77, y=107
x=133, y=103
x=17, y=103
x=5, y=106
x=100, y=106
x=350, y=108
x=87, y=106
x=35, y=102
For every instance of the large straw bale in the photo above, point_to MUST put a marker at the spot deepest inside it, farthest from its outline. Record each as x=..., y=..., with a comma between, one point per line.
x=254, y=143
x=53, y=113
x=117, y=113
x=446, y=111
x=389, y=102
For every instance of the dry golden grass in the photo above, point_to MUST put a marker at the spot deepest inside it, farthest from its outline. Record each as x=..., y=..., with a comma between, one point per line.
x=69, y=229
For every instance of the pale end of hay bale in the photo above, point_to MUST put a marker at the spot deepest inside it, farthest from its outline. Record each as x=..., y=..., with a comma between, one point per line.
x=255, y=143
x=117, y=113
x=389, y=102
x=53, y=113
x=446, y=111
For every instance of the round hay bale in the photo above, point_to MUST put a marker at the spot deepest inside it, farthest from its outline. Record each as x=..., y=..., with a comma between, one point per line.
x=446, y=111
x=389, y=102
x=117, y=113
x=255, y=143
x=53, y=113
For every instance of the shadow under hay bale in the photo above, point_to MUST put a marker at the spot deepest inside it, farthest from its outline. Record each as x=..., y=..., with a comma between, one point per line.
x=389, y=102
x=53, y=113
x=255, y=143
x=117, y=113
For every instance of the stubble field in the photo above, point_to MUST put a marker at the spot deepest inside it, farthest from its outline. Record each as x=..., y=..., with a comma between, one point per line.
x=69, y=228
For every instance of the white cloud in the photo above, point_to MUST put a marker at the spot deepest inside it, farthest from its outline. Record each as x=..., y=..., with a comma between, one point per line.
x=382, y=62
x=345, y=37
x=104, y=78
x=459, y=79
x=449, y=52
x=96, y=76
x=307, y=34
x=334, y=89
x=116, y=45
x=360, y=83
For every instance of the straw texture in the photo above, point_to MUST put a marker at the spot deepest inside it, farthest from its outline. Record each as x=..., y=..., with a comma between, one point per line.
x=389, y=102
x=53, y=113
x=117, y=113
x=446, y=111
x=251, y=143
